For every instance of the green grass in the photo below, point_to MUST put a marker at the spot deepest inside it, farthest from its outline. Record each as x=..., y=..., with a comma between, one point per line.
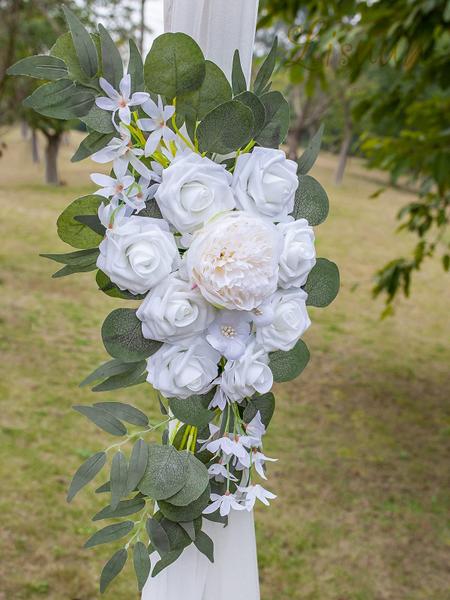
x=363, y=437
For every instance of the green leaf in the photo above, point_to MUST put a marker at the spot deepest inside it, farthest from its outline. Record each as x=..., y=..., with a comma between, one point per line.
x=99, y=120
x=126, y=412
x=265, y=72
x=205, y=545
x=84, y=46
x=166, y=561
x=190, y=528
x=123, y=509
x=286, y=366
x=277, y=120
x=258, y=111
x=112, y=66
x=112, y=568
x=158, y=535
x=193, y=410
x=264, y=404
x=166, y=472
x=93, y=222
x=311, y=201
x=110, y=289
x=102, y=419
x=134, y=376
x=141, y=562
x=81, y=257
x=196, y=482
x=137, y=465
x=74, y=233
x=108, y=369
x=136, y=68
x=178, y=538
x=61, y=99
x=226, y=128
x=214, y=90
x=237, y=75
x=110, y=533
x=122, y=336
x=323, y=283
x=118, y=478
x=186, y=513
x=65, y=50
x=105, y=487
x=86, y=472
x=93, y=142
x=41, y=66
x=308, y=158
x=175, y=65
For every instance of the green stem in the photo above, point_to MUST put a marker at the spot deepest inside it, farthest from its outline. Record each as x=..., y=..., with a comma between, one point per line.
x=138, y=434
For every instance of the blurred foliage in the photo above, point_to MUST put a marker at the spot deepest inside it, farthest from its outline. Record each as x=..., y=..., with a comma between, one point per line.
x=390, y=61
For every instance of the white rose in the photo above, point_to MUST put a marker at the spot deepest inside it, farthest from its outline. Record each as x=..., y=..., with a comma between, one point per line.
x=290, y=321
x=234, y=260
x=179, y=372
x=299, y=255
x=248, y=375
x=137, y=253
x=193, y=189
x=265, y=182
x=173, y=311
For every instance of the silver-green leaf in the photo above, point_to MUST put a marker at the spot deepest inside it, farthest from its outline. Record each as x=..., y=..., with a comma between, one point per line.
x=85, y=473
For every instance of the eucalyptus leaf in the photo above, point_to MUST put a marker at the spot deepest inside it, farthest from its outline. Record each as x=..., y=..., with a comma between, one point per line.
x=175, y=65
x=151, y=210
x=85, y=473
x=102, y=419
x=112, y=66
x=158, y=536
x=65, y=50
x=311, y=201
x=93, y=142
x=258, y=111
x=111, y=289
x=286, y=366
x=137, y=465
x=277, y=120
x=265, y=72
x=136, y=68
x=112, y=568
x=141, y=563
x=205, y=545
x=135, y=374
x=226, y=128
x=166, y=472
x=93, y=222
x=178, y=538
x=61, y=99
x=74, y=233
x=81, y=257
x=84, y=46
x=237, y=75
x=322, y=285
x=264, y=404
x=99, y=120
x=186, y=513
x=118, y=478
x=110, y=533
x=193, y=410
x=122, y=336
x=190, y=528
x=166, y=561
x=308, y=158
x=126, y=412
x=123, y=509
x=41, y=66
x=196, y=482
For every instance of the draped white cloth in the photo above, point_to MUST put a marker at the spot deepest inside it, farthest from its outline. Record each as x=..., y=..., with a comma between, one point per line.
x=219, y=27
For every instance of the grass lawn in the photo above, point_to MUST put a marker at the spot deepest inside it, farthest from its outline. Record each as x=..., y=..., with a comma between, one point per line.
x=362, y=437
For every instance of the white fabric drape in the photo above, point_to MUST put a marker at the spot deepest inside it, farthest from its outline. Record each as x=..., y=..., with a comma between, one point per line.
x=219, y=27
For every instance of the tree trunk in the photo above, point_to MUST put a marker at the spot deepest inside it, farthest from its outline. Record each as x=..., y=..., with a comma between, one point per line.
x=295, y=132
x=34, y=146
x=345, y=144
x=51, y=158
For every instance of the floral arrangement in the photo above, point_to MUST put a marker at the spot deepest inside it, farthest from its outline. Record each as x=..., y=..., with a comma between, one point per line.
x=207, y=226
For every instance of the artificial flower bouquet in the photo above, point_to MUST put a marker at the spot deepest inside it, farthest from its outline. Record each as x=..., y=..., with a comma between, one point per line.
x=205, y=226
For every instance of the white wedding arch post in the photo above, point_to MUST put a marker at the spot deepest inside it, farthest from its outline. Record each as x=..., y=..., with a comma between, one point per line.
x=219, y=27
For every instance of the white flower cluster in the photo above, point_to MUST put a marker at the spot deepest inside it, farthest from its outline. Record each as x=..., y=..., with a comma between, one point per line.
x=222, y=271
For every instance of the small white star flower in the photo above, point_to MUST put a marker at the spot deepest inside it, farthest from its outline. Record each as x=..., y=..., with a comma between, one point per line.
x=224, y=503
x=120, y=101
x=258, y=460
x=219, y=472
x=156, y=124
x=254, y=492
x=228, y=445
x=115, y=188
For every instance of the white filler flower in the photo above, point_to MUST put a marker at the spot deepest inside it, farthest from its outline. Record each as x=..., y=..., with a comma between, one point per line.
x=137, y=253
x=254, y=492
x=120, y=101
x=173, y=311
x=290, y=322
x=299, y=255
x=157, y=124
x=181, y=372
x=234, y=260
x=193, y=189
x=265, y=182
x=224, y=504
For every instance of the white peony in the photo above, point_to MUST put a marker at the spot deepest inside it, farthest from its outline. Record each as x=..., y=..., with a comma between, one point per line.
x=234, y=260
x=248, y=375
x=265, y=182
x=299, y=255
x=179, y=372
x=137, y=253
x=173, y=311
x=290, y=321
x=193, y=189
